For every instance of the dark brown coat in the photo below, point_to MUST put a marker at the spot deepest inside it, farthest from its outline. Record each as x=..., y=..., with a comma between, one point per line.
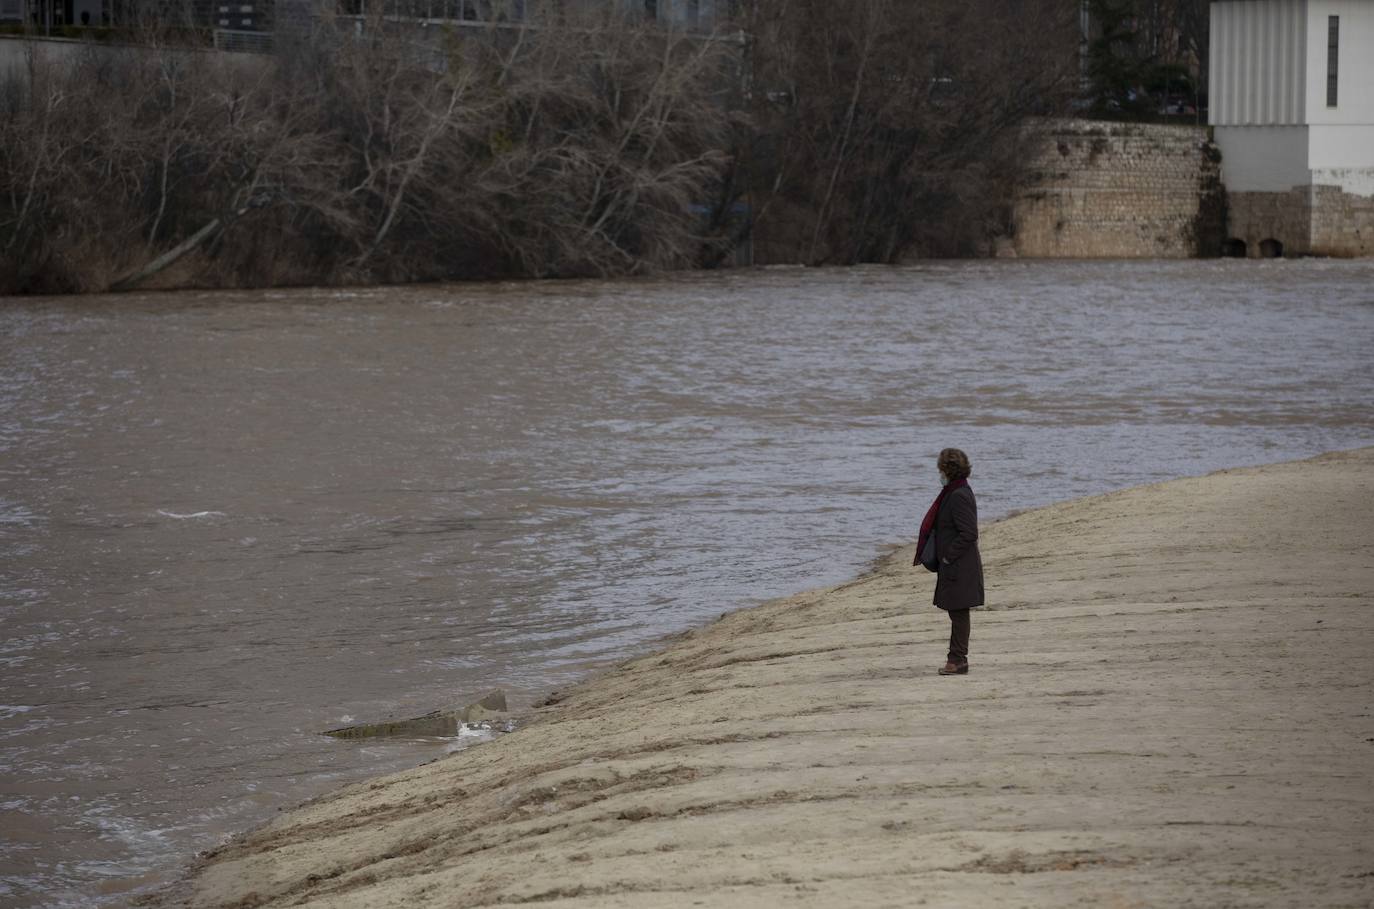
x=959, y=584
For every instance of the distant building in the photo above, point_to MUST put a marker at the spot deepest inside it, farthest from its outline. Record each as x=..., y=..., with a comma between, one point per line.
x=694, y=15
x=47, y=15
x=250, y=24
x=50, y=14
x=691, y=15
x=1292, y=106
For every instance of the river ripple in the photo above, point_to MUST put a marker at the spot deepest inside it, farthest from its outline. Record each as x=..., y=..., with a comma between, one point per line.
x=231, y=520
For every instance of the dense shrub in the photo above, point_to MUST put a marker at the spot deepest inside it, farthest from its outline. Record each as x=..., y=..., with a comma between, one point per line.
x=598, y=144
x=894, y=129
x=589, y=149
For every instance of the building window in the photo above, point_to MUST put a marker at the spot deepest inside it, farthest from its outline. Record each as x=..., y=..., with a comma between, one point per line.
x=651, y=9
x=1333, y=46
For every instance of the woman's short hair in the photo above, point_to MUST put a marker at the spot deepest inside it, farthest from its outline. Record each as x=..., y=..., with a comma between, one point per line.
x=953, y=463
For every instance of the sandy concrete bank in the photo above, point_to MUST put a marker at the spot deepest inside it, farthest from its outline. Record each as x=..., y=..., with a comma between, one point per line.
x=1171, y=703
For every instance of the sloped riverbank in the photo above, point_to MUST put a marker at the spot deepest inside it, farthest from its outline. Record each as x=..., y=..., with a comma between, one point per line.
x=1169, y=703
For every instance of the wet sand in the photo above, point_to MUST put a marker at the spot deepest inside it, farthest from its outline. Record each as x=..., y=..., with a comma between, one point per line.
x=1171, y=703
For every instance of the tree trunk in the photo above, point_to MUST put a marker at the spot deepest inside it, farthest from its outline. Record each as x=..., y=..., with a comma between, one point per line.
x=137, y=277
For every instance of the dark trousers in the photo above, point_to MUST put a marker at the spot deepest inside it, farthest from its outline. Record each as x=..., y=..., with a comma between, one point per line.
x=958, y=635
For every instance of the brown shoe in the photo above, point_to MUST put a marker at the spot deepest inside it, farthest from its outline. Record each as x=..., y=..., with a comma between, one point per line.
x=954, y=669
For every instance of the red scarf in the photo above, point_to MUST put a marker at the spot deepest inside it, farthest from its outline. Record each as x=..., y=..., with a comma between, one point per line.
x=928, y=522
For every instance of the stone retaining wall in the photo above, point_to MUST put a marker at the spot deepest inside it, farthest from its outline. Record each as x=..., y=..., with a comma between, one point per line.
x=1342, y=223
x=1099, y=189
x=1256, y=218
x=1306, y=220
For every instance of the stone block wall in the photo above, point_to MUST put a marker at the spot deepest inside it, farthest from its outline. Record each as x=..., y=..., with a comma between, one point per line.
x=1097, y=189
x=1305, y=220
x=1256, y=218
x=1342, y=223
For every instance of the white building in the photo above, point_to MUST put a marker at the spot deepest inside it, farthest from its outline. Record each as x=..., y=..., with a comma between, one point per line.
x=1292, y=105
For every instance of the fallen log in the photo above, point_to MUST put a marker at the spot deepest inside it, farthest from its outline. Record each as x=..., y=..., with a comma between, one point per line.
x=138, y=276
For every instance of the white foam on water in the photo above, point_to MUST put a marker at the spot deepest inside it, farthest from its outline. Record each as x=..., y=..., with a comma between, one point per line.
x=194, y=514
x=468, y=736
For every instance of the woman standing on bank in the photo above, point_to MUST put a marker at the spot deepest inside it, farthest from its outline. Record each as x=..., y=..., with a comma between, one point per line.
x=953, y=520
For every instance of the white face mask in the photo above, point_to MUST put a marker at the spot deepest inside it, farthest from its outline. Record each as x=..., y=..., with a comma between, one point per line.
x=944, y=480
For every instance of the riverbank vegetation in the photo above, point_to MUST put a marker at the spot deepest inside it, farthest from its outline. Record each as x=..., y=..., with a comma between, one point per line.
x=563, y=144
x=895, y=129
x=1146, y=59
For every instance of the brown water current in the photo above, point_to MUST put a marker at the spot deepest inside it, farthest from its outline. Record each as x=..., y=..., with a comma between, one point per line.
x=229, y=521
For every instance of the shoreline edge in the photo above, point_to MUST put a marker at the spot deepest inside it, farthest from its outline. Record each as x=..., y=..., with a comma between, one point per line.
x=1170, y=702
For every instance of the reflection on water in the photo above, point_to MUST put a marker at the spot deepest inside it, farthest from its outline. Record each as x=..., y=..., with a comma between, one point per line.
x=231, y=520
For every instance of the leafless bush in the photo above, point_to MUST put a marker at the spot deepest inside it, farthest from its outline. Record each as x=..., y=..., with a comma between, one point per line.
x=590, y=148
x=112, y=158
x=619, y=134
x=893, y=128
x=548, y=144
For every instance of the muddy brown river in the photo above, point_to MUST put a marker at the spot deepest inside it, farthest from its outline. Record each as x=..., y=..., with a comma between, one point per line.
x=229, y=521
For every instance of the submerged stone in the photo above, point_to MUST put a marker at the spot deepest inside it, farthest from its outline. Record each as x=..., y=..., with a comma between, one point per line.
x=438, y=722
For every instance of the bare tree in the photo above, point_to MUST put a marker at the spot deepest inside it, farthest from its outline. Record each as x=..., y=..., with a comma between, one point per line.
x=560, y=141
x=586, y=145
x=623, y=138
x=893, y=129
